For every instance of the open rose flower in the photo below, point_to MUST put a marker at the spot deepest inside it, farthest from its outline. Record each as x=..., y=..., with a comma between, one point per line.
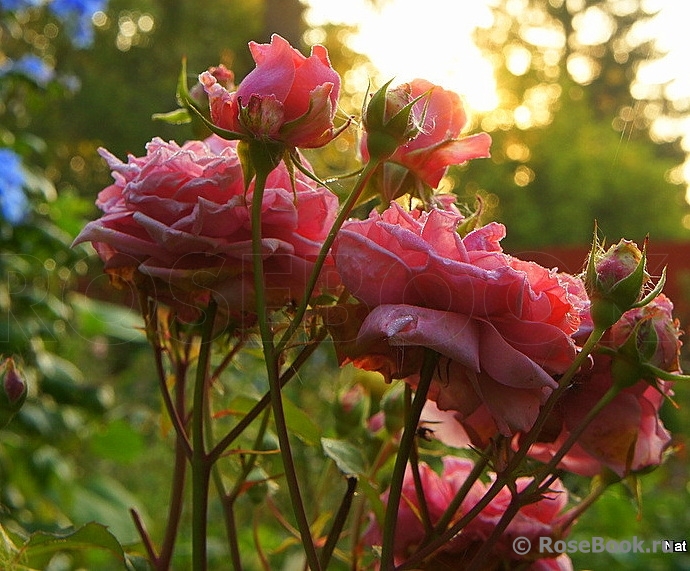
x=441, y=118
x=539, y=519
x=502, y=325
x=287, y=98
x=627, y=435
x=180, y=216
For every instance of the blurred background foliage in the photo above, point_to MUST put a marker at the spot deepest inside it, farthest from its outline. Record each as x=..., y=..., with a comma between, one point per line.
x=574, y=140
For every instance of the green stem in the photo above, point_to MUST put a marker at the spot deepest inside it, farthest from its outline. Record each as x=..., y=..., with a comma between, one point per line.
x=454, y=505
x=575, y=434
x=179, y=475
x=271, y=357
x=338, y=523
x=229, y=498
x=419, y=490
x=563, y=384
x=406, y=443
x=265, y=401
x=345, y=211
x=200, y=465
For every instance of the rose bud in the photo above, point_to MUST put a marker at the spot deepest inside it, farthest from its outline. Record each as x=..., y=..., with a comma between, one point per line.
x=13, y=392
x=390, y=120
x=350, y=410
x=614, y=281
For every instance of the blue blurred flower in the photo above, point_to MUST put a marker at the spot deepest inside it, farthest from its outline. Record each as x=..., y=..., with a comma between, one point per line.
x=76, y=15
x=30, y=66
x=14, y=205
x=18, y=5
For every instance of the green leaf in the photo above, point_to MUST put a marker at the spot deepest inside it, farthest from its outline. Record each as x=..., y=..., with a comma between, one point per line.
x=346, y=456
x=8, y=548
x=41, y=546
x=109, y=319
x=301, y=424
x=298, y=421
x=118, y=441
x=102, y=498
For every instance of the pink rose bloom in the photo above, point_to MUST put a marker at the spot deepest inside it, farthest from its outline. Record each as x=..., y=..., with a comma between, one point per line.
x=503, y=326
x=539, y=519
x=287, y=98
x=626, y=436
x=438, y=492
x=180, y=216
x=438, y=144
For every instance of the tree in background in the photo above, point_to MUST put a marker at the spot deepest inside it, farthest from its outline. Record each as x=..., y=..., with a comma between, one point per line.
x=570, y=140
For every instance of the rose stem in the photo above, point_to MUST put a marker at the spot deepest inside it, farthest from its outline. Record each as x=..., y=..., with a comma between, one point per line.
x=201, y=467
x=271, y=357
x=506, y=476
x=325, y=248
x=406, y=442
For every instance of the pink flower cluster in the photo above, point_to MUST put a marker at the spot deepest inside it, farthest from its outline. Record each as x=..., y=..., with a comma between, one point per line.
x=503, y=326
x=177, y=223
x=540, y=519
x=180, y=215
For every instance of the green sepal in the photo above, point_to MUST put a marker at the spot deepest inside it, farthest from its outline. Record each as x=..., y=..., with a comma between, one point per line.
x=248, y=171
x=185, y=99
x=179, y=116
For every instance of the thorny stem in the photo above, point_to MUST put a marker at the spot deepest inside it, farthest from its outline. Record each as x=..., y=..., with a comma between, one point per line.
x=228, y=498
x=176, y=415
x=338, y=522
x=527, y=496
x=179, y=476
x=271, y=357
x=201, y=467
x=416, y=476
x=406, y=443
x=347, y=207
x=265, y=401
x=145, y=538
x=454, y=505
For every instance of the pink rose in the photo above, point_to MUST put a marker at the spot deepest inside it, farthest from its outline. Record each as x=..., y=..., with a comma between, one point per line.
x=179, y=215
x=503, y=326
x=438, y=144
x=287, y=98
x=626, y=436
x=535, y=520
x=438, y=492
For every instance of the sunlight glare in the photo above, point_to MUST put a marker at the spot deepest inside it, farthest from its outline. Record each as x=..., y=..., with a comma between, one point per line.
x=404, y=43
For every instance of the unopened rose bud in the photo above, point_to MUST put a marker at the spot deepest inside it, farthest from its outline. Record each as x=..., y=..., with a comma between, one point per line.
x=646, y=341
x=13, y=392
x=614, y=281
x=390, y=121
x=657, y=333
x=393, y=407
x=350, y=410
